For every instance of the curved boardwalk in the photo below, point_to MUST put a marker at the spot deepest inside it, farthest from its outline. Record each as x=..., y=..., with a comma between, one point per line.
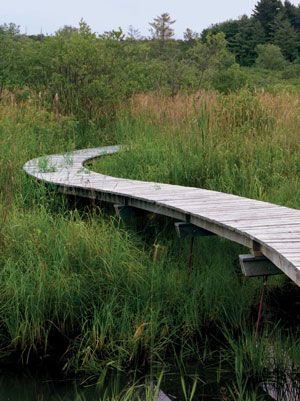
x=272, y=230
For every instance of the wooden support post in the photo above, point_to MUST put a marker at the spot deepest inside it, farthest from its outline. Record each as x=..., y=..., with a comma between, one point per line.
x=254, y=266
x=188, y=230
x=261, y=305
x=190, y=257
x=256, y=249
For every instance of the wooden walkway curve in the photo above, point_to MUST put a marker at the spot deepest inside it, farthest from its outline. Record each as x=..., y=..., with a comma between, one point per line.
x=272, y=230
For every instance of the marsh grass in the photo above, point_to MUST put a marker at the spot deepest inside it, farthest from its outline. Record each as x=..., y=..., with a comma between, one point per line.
x=242, y=143
x=82, y=291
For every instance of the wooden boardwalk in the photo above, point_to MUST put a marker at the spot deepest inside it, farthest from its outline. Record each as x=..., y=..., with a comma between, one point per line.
x=272, y=230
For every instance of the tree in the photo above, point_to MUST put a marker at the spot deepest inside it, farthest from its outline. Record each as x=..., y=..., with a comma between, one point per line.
x=285, y=36
x=67, y=30
x=161, y=27
x=242, y=36
x=190, y=36
x=10, y=28
x=114, y=34
x=249, y=35
x=270, y=57
x=292, y=13
x=265, y=12
x=210, y=56
x=85, y=29
x=230, y=28
x=133, y=33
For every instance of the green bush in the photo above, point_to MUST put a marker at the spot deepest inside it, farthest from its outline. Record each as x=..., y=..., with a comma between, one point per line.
x=231, y=79
x=270, y=57
x=291, y=71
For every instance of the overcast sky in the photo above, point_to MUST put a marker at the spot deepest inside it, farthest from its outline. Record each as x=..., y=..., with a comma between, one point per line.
x=35, y=16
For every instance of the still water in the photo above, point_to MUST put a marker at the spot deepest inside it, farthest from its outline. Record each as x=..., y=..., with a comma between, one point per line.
x=32, y=388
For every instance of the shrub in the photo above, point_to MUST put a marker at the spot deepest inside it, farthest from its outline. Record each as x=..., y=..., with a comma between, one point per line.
x=231, y=79
x=270, y=57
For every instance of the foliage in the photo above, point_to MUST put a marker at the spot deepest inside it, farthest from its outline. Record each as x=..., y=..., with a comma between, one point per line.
x=230, y=79
x=265, y=12
x=285, y=37
x=213, y=141
x=272, y=22
x=270, y=57
x=210, y=56
x=242, y=37
x=77, y=72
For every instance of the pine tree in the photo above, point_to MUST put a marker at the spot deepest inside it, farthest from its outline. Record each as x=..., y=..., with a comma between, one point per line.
x=133, y=33
x=265, y=12
x=250, y=34
x=285, y=37
x=292, y=13
x=161, y=27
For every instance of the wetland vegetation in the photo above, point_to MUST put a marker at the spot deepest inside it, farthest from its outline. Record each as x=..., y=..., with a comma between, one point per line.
x=81, y=294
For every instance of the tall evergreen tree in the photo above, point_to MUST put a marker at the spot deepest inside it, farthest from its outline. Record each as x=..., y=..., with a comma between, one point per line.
x=133, y=33
x=265, y=12
x=250, y=34
x=285, y=37
x=292, y=13
x=242, y=36
x=161, y=27
x=230, y=28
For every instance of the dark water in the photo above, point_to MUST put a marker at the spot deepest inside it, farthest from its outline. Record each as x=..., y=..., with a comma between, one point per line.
x=22, y=388
x=16, y=387
x=32, y=388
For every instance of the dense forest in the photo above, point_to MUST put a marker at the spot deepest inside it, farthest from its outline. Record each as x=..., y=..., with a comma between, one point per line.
x=88, y=74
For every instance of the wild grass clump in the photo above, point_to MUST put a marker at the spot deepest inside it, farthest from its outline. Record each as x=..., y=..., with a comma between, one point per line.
x=92, y=287
x=28, y=131
x=56, y=271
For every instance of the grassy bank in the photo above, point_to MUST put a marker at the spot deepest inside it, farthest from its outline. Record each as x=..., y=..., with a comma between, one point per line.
x=79, y=289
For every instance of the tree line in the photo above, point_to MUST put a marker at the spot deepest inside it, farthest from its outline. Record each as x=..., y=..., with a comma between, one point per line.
x=87, y=74
x=272, y=22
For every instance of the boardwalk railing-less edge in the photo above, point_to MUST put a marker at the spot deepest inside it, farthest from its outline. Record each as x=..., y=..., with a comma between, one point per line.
x=271, y=232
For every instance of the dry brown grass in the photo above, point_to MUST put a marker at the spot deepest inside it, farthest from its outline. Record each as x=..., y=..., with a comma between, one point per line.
x=177, y=110
x=280, y=113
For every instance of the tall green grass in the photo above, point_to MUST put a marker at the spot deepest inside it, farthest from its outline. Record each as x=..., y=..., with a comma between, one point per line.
x=80, y=290
x=242, y=143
